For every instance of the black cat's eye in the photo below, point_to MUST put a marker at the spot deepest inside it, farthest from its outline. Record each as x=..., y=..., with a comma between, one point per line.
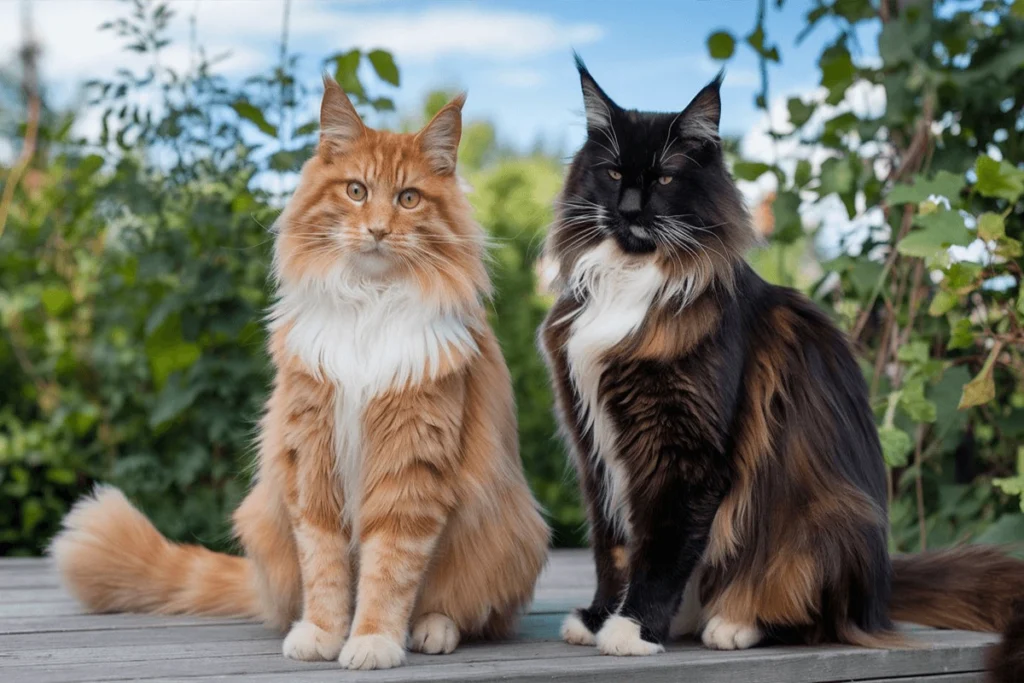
x=665, y=180
x=356, y=191
x=615, y=175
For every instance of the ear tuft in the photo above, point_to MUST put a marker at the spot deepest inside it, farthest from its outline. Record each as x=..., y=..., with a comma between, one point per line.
x=439, y=139
x=340, y=124
x=597, y=105
x=701, y=118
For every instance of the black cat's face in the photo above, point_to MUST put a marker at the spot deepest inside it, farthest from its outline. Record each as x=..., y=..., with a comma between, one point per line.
x=655, y=182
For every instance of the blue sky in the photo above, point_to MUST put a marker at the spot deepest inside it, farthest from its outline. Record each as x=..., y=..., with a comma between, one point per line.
x=513, y=56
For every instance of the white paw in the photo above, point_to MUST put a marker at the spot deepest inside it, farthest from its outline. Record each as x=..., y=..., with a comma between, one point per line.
x=720, y=634
x=621, y=637
x=434, y=634
x=371, y=652
x=307, y=641
x=575, y=632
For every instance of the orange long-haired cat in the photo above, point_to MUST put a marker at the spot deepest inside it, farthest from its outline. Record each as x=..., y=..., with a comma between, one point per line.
x=390, y=506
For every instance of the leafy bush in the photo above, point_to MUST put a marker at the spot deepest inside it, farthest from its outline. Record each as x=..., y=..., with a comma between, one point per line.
x=939, y=167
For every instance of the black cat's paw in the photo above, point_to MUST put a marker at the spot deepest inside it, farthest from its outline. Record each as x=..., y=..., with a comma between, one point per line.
x=575, y=631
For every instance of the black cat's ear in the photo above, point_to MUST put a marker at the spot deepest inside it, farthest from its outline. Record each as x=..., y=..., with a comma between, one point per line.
x=596, y=103
x=702, y=115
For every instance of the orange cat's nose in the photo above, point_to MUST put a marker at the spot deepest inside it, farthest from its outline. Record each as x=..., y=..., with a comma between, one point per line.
x=379, y=232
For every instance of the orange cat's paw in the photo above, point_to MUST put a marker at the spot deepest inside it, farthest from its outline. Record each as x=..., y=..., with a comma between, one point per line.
x=434, y=634
x=309, y=642
x=371, y=652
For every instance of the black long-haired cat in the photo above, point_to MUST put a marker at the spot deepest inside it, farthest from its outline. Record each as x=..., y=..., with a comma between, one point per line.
x=720, y=425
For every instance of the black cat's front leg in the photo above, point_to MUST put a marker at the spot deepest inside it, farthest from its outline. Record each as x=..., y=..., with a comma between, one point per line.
x=670, y=534
x=610, y=562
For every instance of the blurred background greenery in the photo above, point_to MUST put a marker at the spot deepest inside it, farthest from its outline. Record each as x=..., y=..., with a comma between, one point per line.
x=134, y=261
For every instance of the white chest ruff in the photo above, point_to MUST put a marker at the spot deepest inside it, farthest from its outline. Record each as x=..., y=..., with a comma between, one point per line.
x=366, y=342
x=619, y=293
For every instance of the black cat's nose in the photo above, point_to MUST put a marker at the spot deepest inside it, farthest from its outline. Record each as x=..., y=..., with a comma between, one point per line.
x=630, y=203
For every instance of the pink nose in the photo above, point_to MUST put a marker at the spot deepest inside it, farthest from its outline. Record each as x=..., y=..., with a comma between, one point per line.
x=379, y=233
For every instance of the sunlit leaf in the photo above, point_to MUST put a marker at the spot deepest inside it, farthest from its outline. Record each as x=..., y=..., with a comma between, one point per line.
x=998, y=179
x=896, y=444
x=252, y=114
x=991, y=226
x=721, y=45
x=384, y=64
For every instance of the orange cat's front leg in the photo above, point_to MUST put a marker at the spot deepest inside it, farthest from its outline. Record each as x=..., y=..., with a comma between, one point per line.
x=410, y=466
x=320, y=535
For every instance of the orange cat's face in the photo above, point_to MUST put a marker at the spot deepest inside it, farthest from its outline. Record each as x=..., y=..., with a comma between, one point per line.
x=378, y=205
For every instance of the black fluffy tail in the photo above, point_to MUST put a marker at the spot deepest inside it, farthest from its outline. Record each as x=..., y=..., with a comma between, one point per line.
x=975, y=588
x=1007, y=659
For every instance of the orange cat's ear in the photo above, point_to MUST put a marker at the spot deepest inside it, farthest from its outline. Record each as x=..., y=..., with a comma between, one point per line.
x=439, y=139
x=340, y=124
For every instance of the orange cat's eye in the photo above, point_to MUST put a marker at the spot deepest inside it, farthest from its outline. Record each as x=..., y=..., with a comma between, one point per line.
x=665, y=179
x=409, y=199
x=356, y=191
x=614, y=174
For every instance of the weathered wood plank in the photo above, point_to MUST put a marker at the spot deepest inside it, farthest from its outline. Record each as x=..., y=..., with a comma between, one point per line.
x=44, y=637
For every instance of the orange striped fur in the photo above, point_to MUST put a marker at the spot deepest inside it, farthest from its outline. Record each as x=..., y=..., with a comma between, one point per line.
x=390, y=506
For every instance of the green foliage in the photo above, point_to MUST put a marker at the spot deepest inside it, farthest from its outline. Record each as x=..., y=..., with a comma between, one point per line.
x=134, y=282
x=941, y=336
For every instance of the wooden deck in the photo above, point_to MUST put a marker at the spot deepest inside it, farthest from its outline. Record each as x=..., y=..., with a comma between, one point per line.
x=46, y=638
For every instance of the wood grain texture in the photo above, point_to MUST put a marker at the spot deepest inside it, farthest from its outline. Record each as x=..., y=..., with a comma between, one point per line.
x=46, y=638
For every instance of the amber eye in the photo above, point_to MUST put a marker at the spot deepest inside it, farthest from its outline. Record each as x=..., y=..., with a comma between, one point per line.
x=614, y=174
x=409, y=198
x=356, y=191
x=665, y=179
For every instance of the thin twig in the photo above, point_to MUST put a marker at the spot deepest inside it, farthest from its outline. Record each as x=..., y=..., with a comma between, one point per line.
x=30, y=85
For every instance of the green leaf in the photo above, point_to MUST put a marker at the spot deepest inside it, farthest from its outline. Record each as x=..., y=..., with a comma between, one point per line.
x=1010, y=248
x=168, y=352
x=836, y=176
x=894, y=45
x=346, y=73
x=251, y=113
x=89, y=165
x=721, y=45
x=1020, y=298
x=896, y=444
x=56, y=299
x=939, y=231
x=998, y=179
x=802, y=174
x=172, y=401
x=750, y=170
x=837, y=71
x=799, y=111
x=944, y=184
x=1007, y=529
x=788, y=226
x=1017, y=9
x=384, y=64
x=914, y=403
x=914, y=352
x=962, y=335
x=942, y=303
x=991, y=226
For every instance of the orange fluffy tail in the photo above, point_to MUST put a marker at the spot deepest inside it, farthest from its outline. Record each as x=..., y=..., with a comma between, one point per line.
x=112, y=559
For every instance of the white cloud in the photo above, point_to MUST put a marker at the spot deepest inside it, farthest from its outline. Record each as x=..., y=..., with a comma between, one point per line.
x=73, y=48
x=520, y=78
x=471, y=30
